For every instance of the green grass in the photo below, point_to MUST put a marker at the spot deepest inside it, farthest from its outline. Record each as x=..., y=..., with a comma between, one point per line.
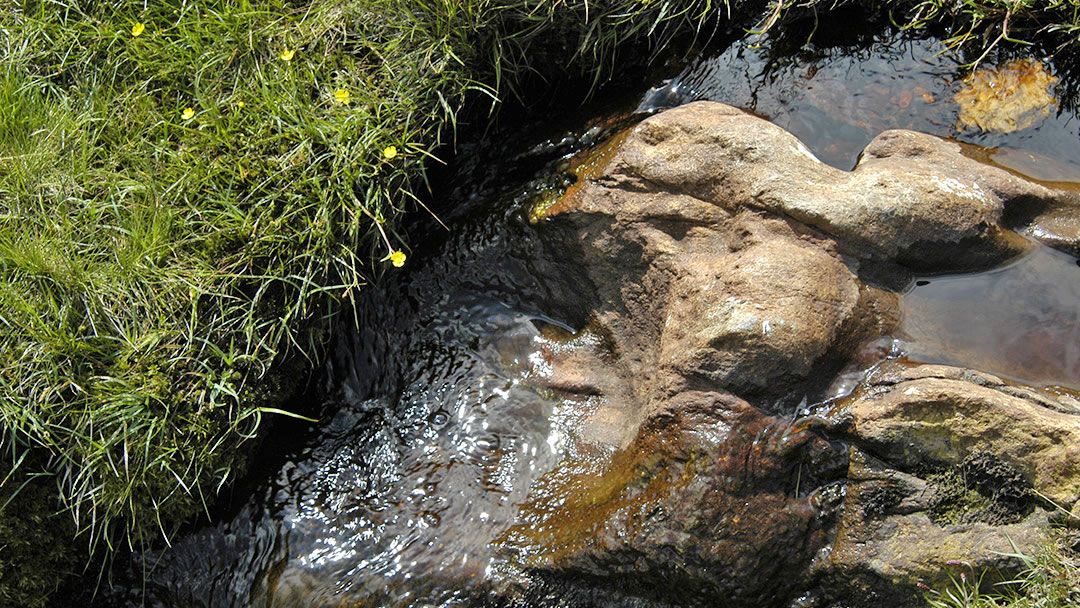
x=188, y=192
x=1050, y=579
x=158, y=267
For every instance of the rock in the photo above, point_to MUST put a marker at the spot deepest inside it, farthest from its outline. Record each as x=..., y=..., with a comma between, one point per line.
x=933, y=415
x=913, y=198
x=713, y=499
x=888, y=540
x=953, y=469
x=693, y=291
x=727, y=275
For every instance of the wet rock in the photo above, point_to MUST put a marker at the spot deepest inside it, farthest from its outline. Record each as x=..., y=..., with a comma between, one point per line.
x=934, y=415
x=712, y=499
x=912, y=198
x=726, y=270
x=720, y=277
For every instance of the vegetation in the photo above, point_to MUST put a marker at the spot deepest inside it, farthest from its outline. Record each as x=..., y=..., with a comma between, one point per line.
x=1050, y=579
x=189, y=191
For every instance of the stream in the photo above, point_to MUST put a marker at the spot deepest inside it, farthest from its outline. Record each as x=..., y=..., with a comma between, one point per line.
x=441, y=414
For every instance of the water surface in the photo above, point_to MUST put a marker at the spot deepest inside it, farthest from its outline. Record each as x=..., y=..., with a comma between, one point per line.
x=1020, y=321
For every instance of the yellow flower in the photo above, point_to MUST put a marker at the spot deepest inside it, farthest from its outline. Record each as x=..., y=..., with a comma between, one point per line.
x=287, y=55
x=137, y=29
x=188, y=114
x=389, y=152
x=341, y=96
x=397, y=258
x=240, y=104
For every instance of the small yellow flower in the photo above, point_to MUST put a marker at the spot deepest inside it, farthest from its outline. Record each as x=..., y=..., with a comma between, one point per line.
x=397, y=258
x=240, y=104
x=341, y=96
x=287, y=55
x=389, y=152
x=188, y=114
x=137, y=29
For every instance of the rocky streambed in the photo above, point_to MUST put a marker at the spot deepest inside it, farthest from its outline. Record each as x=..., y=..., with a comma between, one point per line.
x=681, y=382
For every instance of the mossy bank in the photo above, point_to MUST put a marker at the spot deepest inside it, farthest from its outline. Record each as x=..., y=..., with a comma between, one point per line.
x=190, y=192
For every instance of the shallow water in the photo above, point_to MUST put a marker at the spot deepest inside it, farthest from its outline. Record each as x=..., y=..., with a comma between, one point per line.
x=435, y=435
x=1020, y=321
x=836, y=99
x=439, y=425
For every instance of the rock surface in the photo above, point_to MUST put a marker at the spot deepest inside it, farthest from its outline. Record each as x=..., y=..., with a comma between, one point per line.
x=935, y=415
x=680, y=448
x=729, y=271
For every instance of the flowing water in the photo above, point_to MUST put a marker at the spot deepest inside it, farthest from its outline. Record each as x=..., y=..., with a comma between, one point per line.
x=437, y=425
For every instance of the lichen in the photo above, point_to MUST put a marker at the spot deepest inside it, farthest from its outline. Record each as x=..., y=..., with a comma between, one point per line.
x=983, y=488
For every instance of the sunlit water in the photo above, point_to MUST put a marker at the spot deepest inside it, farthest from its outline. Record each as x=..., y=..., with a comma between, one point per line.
x=436, y=431
x=836, y=99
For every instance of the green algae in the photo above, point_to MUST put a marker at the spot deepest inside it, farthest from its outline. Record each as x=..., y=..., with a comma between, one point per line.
x=982, y=488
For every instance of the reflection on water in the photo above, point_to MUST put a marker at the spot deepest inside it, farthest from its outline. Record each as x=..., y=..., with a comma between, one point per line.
x=836, y=99
x=436, y=434
x=1020, y=321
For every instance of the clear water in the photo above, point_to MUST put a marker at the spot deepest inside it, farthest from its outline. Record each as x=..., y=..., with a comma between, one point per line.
x=836, y=99
x=1020, y=321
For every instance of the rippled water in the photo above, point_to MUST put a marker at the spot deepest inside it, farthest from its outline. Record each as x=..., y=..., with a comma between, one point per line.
x=436, y=435
x=437, y=426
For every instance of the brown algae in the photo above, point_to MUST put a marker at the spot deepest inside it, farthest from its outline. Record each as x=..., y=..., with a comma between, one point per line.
x=1014, y=96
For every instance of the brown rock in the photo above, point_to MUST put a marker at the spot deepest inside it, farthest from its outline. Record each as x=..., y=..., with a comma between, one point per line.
x=717, y=257
x=934, y=415
x=713, y=499
x=913, y=198
x=887, y=532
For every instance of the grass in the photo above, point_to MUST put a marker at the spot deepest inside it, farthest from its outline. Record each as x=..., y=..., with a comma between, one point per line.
x=1050, y=579
x=189, y=191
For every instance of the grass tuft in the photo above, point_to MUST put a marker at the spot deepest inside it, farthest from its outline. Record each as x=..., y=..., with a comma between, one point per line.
x=1050, y=579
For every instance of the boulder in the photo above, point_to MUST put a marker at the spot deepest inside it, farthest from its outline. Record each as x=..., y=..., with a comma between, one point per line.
x=729, y=274
x=712, y=499
x=913, y=198
x=923, y=416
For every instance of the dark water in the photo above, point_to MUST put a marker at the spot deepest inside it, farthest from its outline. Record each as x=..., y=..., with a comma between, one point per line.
x=437, y=427
x=435, y=435
x=836, y=99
